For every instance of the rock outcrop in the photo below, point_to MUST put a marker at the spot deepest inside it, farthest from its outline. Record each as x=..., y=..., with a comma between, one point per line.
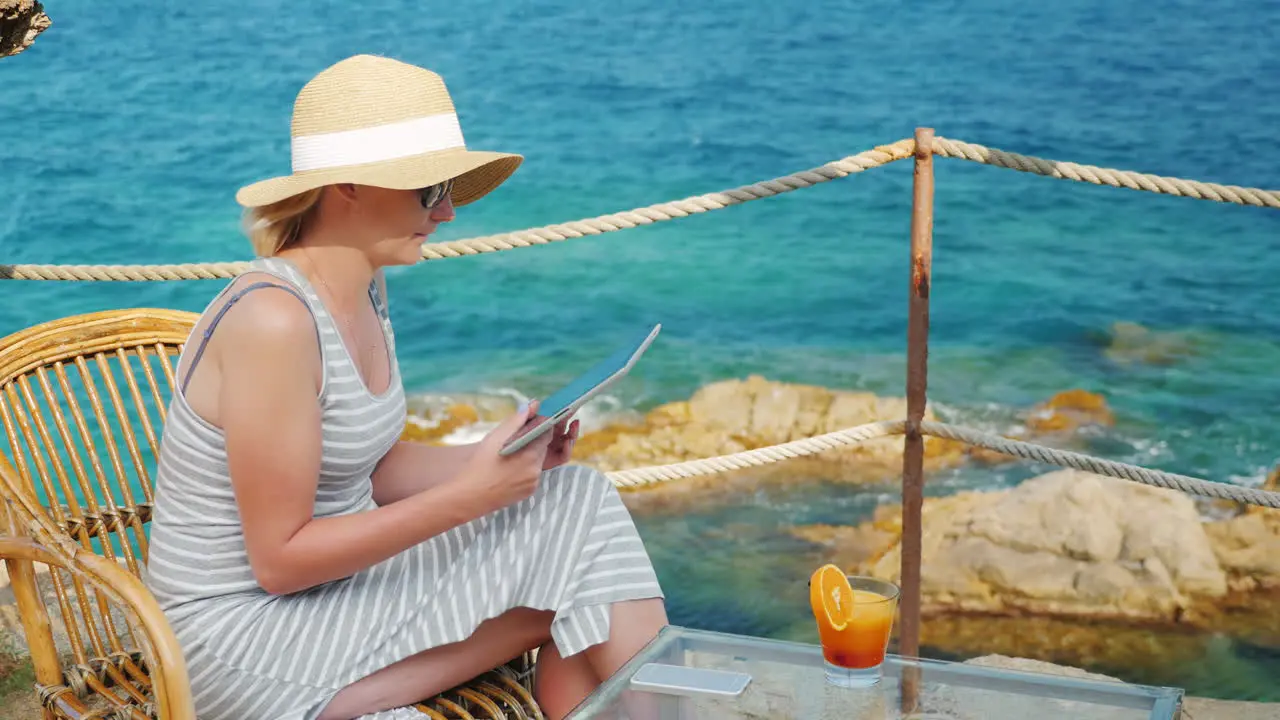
x=1248, y=548
x=1071, y=544
x=1078, y=568
x=1067, y=543
x=20, y=22
x=736, y=415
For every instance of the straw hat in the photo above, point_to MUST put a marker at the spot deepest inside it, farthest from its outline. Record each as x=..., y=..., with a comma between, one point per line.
x=375, y=121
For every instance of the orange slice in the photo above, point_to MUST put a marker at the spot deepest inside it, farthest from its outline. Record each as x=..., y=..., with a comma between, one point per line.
x=831, y=597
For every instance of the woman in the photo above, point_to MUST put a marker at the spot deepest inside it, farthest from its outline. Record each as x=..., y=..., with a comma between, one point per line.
x=312, y=564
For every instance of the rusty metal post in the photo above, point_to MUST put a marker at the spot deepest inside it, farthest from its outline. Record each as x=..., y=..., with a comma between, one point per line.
x=917, y=382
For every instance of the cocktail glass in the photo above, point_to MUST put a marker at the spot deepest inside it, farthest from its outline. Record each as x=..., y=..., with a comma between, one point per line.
x=854, y=652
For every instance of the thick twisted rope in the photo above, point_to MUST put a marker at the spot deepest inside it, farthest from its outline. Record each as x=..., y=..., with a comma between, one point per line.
x=851, y=165
x=1015, y=448
x=1106, y=176
x=759, y=456
x=134, y=273
x=1099, y=466
x=882, y=155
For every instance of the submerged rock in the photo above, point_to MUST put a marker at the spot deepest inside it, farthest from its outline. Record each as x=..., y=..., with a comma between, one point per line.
x=1055, y=421
x=850, y=546
x=1070, y=410
x=1131, y=343
x=1141, y=650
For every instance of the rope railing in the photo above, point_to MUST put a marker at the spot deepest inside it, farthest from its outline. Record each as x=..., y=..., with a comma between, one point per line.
x=1179, y=187
x=853, y=164
x=675, y=209
x=672, y=210
x=876, y=157
x=638, y=477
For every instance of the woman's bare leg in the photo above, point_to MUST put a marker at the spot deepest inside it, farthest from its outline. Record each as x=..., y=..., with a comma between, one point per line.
x=433, y=671
x=632, y=624
x=562, y=683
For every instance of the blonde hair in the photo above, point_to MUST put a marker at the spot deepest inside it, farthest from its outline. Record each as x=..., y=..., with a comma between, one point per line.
x=272, y=228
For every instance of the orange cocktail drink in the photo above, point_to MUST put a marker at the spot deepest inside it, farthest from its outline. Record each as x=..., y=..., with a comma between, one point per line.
x=855, y=619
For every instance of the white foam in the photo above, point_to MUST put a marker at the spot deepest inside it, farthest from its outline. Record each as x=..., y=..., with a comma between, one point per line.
x=429, y=410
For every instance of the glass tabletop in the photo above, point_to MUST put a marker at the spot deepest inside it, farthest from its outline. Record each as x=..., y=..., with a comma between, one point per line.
x=787, y=680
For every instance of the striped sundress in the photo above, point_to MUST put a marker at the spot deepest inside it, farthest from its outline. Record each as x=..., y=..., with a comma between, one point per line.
x=571, y=548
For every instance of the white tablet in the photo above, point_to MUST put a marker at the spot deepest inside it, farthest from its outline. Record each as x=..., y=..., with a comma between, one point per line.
x=564, y=402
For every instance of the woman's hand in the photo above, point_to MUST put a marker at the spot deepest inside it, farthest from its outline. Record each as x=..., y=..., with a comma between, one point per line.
x=496, y=481
x=561, y=446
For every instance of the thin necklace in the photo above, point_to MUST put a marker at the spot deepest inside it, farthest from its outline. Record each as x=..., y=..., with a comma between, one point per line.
x=350, y=330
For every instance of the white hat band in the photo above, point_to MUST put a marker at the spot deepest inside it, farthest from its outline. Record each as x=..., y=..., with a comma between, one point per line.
x=378, y=143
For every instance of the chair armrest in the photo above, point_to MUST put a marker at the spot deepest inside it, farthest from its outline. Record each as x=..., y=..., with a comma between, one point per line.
x=167, y=666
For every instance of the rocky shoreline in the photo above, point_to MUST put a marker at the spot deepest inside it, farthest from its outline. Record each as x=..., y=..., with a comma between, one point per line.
x=1066, y=544
x=735, y=415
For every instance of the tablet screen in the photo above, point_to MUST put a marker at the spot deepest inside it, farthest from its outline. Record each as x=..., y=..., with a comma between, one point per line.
x=567, y=397
x=601, y=371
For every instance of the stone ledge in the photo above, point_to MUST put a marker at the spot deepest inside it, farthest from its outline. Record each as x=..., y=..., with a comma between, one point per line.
x=1194, y=708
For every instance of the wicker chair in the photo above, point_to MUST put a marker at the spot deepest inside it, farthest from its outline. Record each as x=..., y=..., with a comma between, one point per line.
x=82, y=404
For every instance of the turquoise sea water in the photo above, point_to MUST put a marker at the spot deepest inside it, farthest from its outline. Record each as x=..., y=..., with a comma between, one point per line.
x=127, y=128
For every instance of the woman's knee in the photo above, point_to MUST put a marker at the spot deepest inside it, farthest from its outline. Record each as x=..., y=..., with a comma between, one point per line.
x=534, y=625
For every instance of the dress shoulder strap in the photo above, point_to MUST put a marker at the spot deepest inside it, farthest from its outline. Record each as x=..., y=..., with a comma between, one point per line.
x=378, y=295
x=235, y=297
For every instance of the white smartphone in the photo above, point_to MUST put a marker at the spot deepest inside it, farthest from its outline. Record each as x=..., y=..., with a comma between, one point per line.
x=683, y=680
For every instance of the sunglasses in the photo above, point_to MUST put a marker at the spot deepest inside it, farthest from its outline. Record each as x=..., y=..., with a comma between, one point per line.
x=434, y=195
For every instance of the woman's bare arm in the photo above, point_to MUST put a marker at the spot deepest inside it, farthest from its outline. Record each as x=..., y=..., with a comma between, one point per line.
x=411, y=467
x=271, y=418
